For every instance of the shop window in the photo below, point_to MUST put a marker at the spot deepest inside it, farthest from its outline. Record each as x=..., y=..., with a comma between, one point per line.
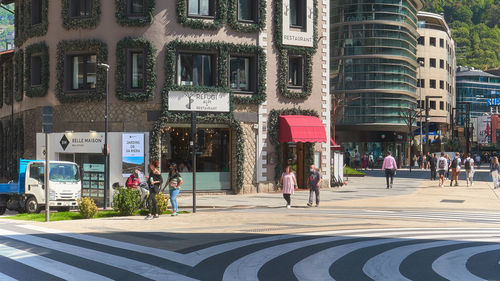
x=441, y=43
x=247, y=10
x=36, y=70
x=421, y=61
x=432, y=62
x=135, y=7
x=201, y=8
x=441, y=84
x=441, y=105
x=421, y=40
x=441, y=64
x=432, y=84
x=432, y=41
x=195, y=69
x=432, y=104
x=136, y=70
x=82, y=69
x=36, y=12
x=298, y=14
x=241, y=74
x=80, y=8
x=295, y=71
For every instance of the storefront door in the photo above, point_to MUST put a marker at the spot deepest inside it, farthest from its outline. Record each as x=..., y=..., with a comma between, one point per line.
x=293, y=155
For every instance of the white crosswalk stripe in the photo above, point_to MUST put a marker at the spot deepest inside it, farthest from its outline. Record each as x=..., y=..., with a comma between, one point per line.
x=398, y=245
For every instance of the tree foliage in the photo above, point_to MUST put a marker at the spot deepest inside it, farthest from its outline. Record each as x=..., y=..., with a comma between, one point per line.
x=475, y=27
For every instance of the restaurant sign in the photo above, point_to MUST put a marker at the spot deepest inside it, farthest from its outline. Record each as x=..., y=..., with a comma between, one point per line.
x=198, y=101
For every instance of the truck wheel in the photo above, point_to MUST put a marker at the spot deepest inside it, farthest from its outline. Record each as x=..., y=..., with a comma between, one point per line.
x=31, y=206
x=2, y=210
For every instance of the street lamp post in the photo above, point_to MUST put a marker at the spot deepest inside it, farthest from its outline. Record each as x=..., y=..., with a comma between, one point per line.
x=106, y=149
x=420, y=64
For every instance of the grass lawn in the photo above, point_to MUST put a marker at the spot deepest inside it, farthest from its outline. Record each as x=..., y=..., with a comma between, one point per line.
x=352, y=172
x=62, y=216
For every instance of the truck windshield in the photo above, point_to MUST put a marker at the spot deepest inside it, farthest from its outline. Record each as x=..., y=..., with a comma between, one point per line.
x=64, y=173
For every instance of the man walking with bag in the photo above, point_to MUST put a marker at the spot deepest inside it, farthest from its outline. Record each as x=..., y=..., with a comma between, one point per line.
x=442, y=164
x=469, y=169
x=313, y=182
x=390, y=167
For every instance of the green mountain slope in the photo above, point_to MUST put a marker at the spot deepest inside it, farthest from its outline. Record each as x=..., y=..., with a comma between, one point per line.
x=475, y=26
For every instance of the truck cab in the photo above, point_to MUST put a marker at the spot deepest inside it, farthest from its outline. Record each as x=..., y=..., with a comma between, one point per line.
x=28, y=195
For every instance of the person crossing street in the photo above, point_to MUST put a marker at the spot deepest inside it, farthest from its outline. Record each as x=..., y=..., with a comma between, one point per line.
x=390, y=167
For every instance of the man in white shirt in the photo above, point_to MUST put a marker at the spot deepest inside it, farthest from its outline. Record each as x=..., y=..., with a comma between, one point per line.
x=442, y=165
x=469, y=169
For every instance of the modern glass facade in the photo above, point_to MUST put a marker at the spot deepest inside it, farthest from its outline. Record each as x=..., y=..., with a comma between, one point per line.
x=373, y=49
x=476, y=87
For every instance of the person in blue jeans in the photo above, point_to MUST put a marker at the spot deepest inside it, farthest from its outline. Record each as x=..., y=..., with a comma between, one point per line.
x=174, y=183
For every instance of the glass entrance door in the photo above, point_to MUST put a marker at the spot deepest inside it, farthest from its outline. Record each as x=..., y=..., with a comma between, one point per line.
x=293, y=155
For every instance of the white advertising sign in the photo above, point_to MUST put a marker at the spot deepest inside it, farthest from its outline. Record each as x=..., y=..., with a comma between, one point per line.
x=303, y=37
x=484, y=130
x=78, y=142
x=198, y=101
x=132, y=153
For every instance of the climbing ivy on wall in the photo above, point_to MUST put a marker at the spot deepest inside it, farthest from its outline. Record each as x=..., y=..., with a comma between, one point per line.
x=19, y=65
x=80, y=22
x=202, y=23
x=246, y=27
x=124, y=19
x=39, y=49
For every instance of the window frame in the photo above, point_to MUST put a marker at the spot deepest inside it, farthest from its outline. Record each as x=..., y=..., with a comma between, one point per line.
x=421, y=40
x=212, y=7
x=441, y=105
x=39, y=72
x=69, y=75
x=441, y=63
x=303, y=16
x=432, y=62
x=131, y=14
x=70, y=16
x=441, y=84
x=214, y=74
x=129, y=73
x=255, y=12
x=39, y=12
x=302, y=76
x=432, y=41
x=432, y=83
x=432, y=104
x=441, y=43
x=252, y=77
x=421, y=60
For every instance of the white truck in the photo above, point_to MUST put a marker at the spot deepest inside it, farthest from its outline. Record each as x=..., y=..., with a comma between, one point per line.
x=28, y=194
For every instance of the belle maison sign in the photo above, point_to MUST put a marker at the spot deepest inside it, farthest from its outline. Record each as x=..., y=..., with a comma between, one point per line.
x=198, y=101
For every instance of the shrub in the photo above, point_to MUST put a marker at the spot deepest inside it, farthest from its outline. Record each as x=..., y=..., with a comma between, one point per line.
x=87, y=206
x=162, y=203
x=127, y=201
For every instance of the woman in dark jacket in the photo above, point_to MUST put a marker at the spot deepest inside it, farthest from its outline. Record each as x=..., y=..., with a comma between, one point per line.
x=155, y=181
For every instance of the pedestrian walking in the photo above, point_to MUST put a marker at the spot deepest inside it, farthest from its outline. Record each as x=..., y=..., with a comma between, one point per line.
x=155, y=181
x=174, y=183
x=364, y=162
x=390, y=167
x=357, y=159
x=421, y=161
x=455, y=169
x=371, y=161
x=494, y=170
x=448, y=163
x=428, y=158
x=288, y=182
x=442, y=164
x=469, y=169
x=433, y=166
x=313, y=182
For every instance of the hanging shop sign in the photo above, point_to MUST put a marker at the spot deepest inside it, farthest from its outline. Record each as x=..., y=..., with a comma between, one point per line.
x=132, y=153
x=302, y=35
x=78, y=142
x=484, y=130
x=198, y=101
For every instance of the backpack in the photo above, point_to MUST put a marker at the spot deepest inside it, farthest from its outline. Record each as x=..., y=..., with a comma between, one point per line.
x=467, y=164
x=442, y=164
x=454, y=163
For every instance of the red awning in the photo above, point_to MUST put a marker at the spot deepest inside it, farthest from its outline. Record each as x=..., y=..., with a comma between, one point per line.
x=333, y=144
x=301, y=128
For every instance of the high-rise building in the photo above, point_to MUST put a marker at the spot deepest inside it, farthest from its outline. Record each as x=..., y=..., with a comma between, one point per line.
x=436, y=73
x=374, y=64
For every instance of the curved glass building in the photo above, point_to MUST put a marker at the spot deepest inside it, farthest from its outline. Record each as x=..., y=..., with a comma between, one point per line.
x=374, y=64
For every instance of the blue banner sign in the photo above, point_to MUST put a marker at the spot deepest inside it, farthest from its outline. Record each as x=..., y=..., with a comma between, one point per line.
x=493, y=102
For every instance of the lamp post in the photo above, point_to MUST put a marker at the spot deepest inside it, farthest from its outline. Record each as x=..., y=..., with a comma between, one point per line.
x=427, y=119
x=420, y=64
x=106, y=149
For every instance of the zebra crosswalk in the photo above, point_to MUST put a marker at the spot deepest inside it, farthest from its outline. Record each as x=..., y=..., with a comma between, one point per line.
x=30, y=252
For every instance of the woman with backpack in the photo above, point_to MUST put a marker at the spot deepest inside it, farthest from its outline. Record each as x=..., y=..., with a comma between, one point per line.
x=494, y=171
x=455, y=169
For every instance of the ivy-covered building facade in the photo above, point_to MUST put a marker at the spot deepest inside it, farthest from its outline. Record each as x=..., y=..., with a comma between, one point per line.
x=270, y=56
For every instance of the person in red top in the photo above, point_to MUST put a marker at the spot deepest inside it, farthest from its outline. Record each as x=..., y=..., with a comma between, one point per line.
x=133, y=180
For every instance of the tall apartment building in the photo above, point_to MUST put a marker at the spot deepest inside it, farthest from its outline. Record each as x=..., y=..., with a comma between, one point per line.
x=436, y=73
x=269, y=57
x=374, y=64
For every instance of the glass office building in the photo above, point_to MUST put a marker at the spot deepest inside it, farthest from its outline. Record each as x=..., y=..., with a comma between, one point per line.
x=476, y=87
x=373, y=63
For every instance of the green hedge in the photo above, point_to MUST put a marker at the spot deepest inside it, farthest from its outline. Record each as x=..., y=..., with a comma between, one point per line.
x=198, y=23
x=122, y=90
x=124, y=20
x=19, y=66
x=42, y=50
x=70, y=23
x=94, y=46
x=38, y=29
x=202, y=118
x=235, y=24
x=223, y=51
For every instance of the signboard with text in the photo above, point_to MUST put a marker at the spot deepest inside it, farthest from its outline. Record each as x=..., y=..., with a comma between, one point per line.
x=132, y=153
x=198, y=101
x=78, y=142
x=484, y=130
x=298, y=36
